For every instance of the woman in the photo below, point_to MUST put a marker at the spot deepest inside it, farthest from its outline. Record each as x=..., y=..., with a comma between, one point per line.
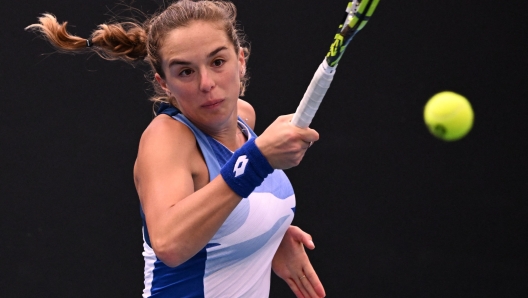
x=216, y=207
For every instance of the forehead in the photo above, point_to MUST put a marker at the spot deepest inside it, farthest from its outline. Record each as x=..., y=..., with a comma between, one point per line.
x=198, y=37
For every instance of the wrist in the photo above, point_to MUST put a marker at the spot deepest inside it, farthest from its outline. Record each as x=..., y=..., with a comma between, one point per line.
x=246, y=169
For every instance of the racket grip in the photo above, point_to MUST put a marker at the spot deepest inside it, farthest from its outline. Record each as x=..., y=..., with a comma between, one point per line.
x=314, y=95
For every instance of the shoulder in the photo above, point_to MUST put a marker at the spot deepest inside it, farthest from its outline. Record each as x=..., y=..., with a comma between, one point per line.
x=167, y=151
x=163, y=128
x=246, y=112
x=166, y=141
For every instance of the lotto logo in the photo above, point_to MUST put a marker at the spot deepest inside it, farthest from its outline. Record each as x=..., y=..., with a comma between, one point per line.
x=240, y=165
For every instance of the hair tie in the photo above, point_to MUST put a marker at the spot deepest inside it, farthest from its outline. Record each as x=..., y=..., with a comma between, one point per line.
x=89, y=43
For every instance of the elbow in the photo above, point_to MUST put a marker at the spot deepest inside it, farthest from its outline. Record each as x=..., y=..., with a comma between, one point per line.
x=168, y=253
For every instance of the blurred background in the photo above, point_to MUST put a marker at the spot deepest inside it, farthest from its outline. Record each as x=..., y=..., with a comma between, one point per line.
x=394, y=212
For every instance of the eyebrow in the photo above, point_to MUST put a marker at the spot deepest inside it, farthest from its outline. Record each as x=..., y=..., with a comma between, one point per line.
x=183, y=62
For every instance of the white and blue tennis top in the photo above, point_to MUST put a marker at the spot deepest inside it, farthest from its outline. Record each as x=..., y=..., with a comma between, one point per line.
x=237, y=260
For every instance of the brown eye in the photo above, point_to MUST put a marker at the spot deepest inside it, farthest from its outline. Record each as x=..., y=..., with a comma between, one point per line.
x=185, y=73
x=218, y=62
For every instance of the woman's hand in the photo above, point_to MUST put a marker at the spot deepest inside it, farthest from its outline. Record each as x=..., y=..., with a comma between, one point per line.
x=292, y=264
x=284, y=144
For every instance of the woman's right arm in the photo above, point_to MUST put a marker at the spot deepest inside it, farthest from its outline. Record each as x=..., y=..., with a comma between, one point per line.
x=180, y=220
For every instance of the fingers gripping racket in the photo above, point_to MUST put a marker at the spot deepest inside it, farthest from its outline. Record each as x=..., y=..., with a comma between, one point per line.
x=357, y=15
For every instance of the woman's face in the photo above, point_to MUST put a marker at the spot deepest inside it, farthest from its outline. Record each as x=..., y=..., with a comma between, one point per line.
x=202, y=72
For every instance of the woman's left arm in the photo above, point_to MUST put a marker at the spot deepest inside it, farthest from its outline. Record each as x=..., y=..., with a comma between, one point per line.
x=291, y=263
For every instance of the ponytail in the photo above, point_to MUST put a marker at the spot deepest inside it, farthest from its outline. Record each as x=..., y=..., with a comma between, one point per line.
x=120, y=41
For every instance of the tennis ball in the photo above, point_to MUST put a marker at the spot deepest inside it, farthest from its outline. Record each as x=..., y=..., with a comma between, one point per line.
x=448, y=116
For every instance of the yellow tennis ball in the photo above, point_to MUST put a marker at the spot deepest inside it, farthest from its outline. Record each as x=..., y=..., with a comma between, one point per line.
x=448, y=116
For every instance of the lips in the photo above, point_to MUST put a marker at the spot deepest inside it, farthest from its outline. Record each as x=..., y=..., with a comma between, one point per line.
x=212, y=104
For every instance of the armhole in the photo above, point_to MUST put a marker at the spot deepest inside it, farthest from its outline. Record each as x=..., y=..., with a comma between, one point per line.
x=248, y=132
x=203, y=144
x=207, y=152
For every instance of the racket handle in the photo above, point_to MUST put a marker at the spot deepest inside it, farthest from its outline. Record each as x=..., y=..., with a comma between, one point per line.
x=314, y=95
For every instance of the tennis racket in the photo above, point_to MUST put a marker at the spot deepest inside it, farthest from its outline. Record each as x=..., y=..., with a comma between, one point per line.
x=356, y=17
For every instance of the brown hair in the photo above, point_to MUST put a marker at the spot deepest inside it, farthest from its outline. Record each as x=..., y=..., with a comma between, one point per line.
x=133, y=41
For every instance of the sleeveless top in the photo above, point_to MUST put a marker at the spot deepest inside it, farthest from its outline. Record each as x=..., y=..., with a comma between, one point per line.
x=237, y=260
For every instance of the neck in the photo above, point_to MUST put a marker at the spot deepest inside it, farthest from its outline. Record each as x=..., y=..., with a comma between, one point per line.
x=231, y=139
x=229, y=134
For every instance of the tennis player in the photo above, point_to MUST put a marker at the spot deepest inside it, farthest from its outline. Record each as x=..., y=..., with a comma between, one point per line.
x=216, y=206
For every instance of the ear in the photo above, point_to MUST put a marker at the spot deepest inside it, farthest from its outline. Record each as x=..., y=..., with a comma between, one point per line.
x=162, y=83
x=242, y=62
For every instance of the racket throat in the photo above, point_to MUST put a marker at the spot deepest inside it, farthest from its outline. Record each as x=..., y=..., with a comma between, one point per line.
x=327, y=69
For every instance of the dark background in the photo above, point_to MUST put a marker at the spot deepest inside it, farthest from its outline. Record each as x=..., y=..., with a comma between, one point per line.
x=394, y=212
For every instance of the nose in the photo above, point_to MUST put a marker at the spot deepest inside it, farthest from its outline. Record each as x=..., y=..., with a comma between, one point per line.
x=206, y=81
